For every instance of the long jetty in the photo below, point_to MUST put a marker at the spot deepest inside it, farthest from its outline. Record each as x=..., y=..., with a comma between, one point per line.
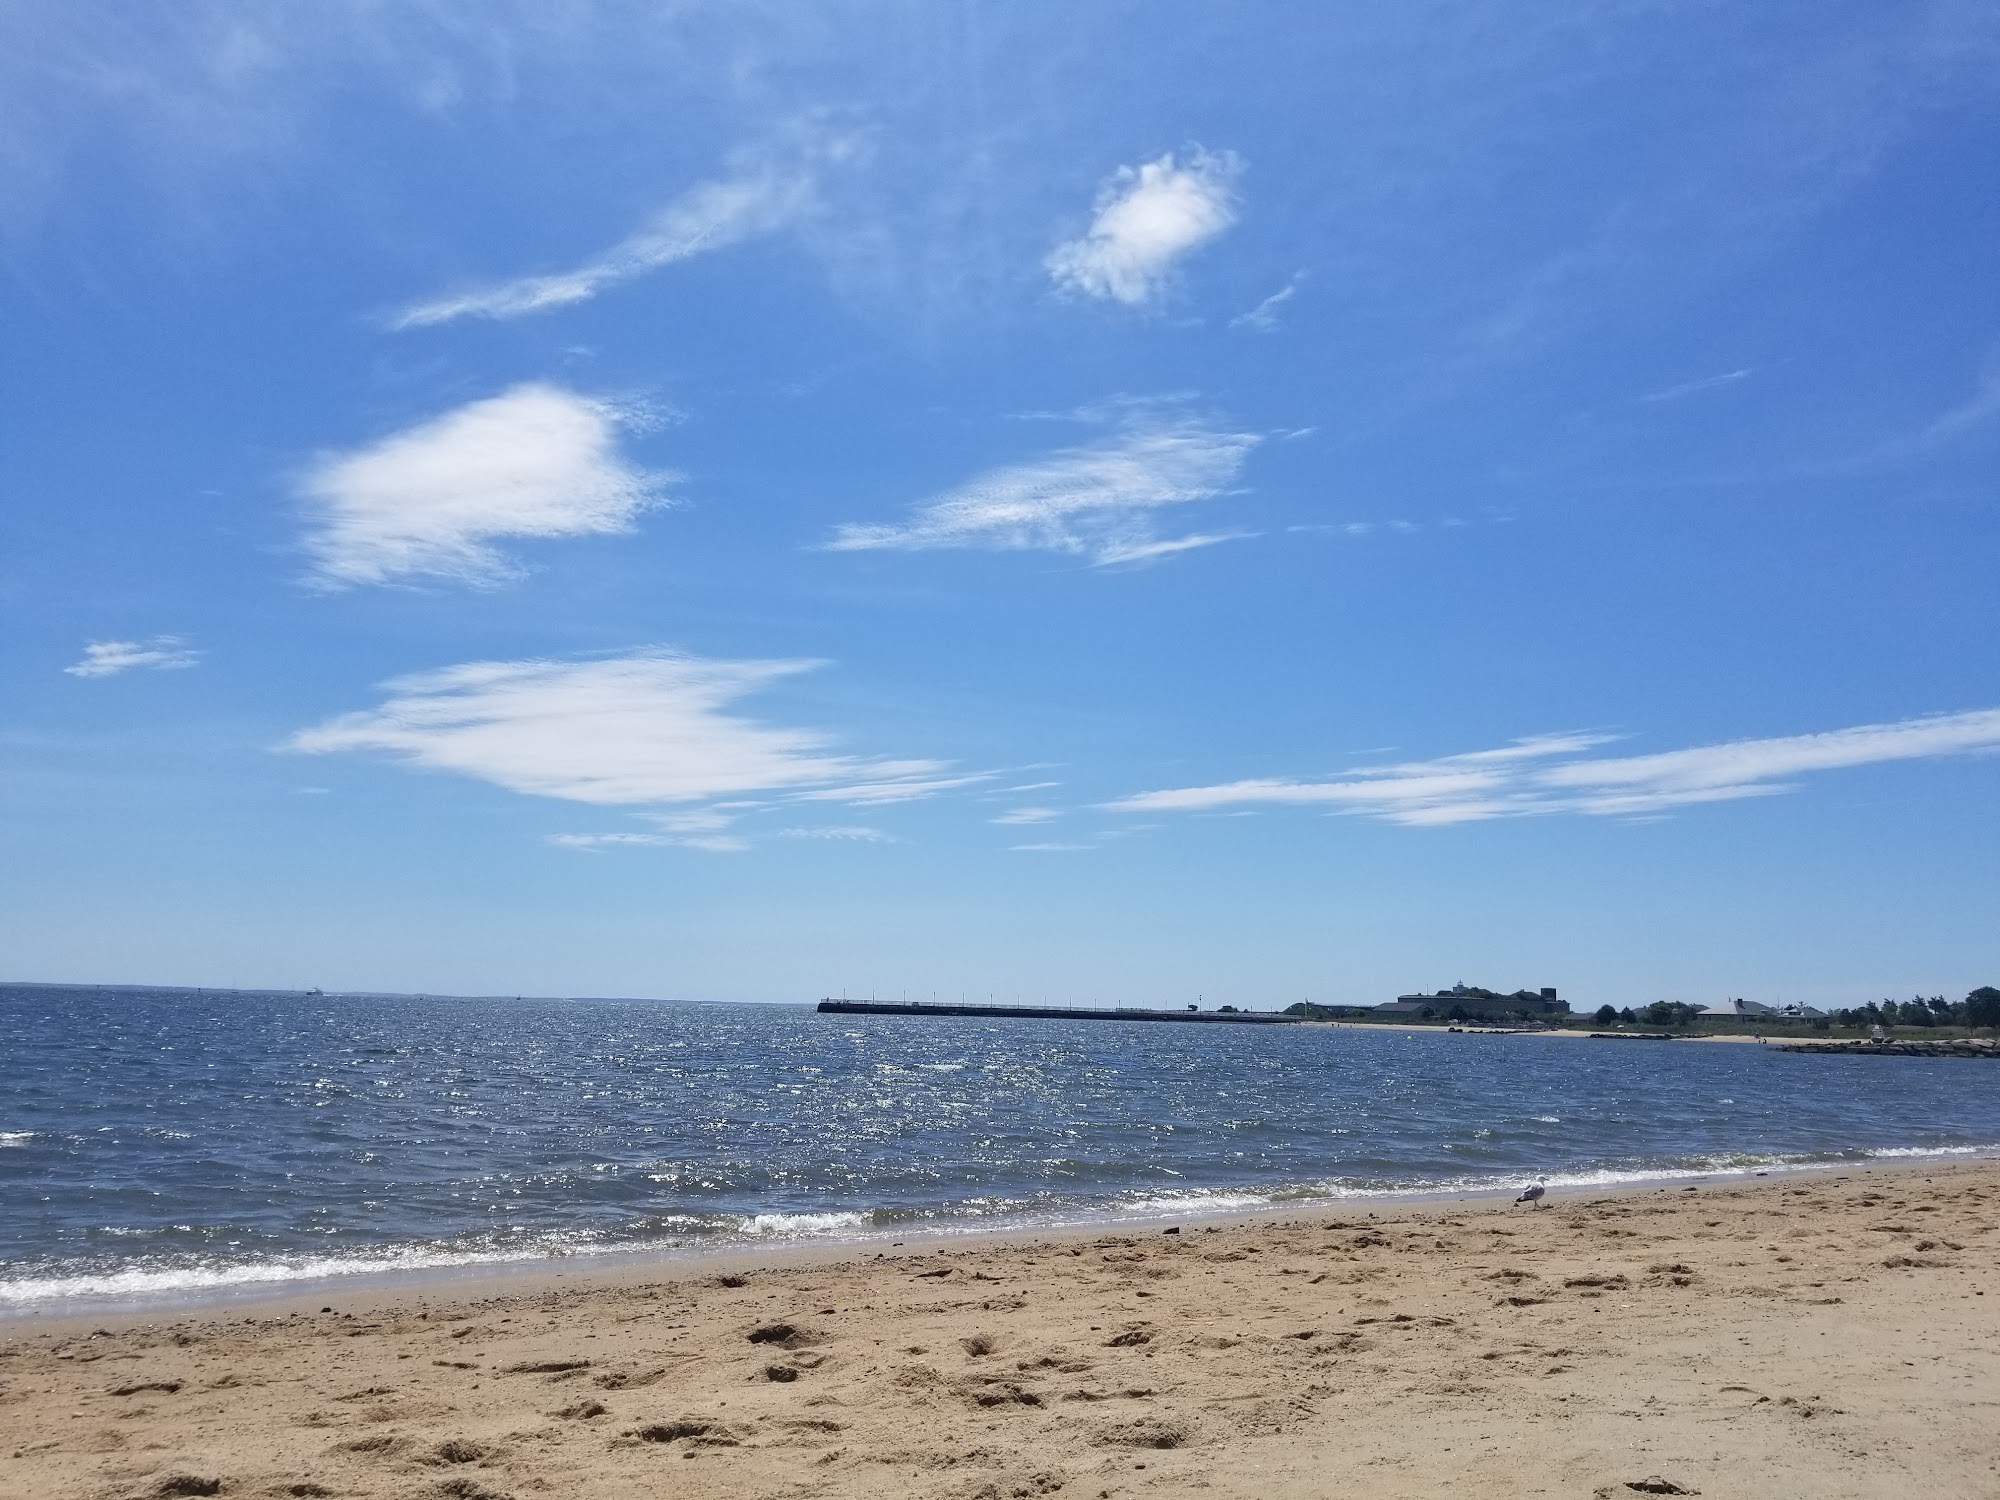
x=1052, y=1012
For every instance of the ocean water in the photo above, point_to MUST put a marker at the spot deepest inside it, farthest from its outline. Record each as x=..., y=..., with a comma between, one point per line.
x=161, y=1143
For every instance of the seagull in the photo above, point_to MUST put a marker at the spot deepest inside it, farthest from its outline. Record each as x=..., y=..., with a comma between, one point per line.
x=1533, y=1195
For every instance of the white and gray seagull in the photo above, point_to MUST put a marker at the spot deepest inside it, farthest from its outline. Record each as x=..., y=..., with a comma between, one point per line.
x=1533, y=1195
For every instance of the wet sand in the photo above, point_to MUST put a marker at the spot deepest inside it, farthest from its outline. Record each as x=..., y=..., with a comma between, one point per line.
x=1824, y=1334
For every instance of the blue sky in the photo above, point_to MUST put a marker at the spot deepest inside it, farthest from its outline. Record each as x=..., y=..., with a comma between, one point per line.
x=1114, y=502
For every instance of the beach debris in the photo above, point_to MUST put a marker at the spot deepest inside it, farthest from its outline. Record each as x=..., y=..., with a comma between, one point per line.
x=1143, y=1432
x=783, y=1374
x=165, y=1387
x=619, y=1380
x=692, y=1429
x=384, y=1442
x=979, y=1345
x=784, y=1335
x=992, y=1391
x=583, y=1411
x=470, y=1489
x=187, y=1484
x=546, y=1367
x=1128, y=1339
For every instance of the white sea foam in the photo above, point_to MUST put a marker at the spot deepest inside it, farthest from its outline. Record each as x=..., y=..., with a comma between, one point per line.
x=156, y=1283
x=803, y=1226
x=1226, y=1201
x=141, y=1283
x=15, y=1138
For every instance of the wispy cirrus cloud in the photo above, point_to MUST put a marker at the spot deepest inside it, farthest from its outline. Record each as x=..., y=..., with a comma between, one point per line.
x=912, y=788
x=1263, y=318
x=762, y=194
x=651, y=727
x=597, y=843
x=1025, y=815
x=1978, y=410
x=536, y=461
x=161, y=653
x=1147, y=218
x=1096, y=500
x=1694, y=387
x=1556, y=774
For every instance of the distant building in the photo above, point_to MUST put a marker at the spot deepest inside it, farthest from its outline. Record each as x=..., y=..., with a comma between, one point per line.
x=1746, y=1008
x=1740, y=1008
x=1469, y=1002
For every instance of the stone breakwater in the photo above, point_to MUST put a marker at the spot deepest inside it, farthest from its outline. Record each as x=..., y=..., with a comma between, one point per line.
x=1961, y=1048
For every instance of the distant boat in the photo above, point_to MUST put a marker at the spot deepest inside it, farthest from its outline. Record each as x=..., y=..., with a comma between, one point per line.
x=315, y=993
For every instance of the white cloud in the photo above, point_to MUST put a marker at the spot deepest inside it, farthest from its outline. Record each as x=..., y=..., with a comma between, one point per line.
x=842, y=833
x=163, y=653
x=1138, y=552
x=1148, y=217
x=651, y=727
x=1048, y=848
x=760, y=197
x=880, y=793
x=1974, y=412
x=1691, y=387
x=1027, y=815
x=597, y=843
x=534, y=461
x=1264, y=316
x=697, y=820
x=1554, y=774
x=1096, y=500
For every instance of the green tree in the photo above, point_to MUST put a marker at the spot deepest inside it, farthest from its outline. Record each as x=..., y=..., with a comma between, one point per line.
x=1605, y=1015
x=1982, y=1007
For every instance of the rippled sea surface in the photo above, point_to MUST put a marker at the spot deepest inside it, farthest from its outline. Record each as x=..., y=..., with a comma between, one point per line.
x=157, y=1142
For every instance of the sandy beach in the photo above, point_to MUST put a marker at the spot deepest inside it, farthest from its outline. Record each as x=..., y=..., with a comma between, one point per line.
x=1823, y=1334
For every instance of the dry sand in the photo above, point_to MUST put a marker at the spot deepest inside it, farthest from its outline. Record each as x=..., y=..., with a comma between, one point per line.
x=1817, y=1335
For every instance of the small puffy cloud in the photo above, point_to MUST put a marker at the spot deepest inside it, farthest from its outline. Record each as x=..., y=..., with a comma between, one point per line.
x=846, y=833
x=652, y=727
x=534, y=461
x=1556, y=774
x=1097, y=500
x=1148, y=217
x=763, y=195
x=162, y=653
